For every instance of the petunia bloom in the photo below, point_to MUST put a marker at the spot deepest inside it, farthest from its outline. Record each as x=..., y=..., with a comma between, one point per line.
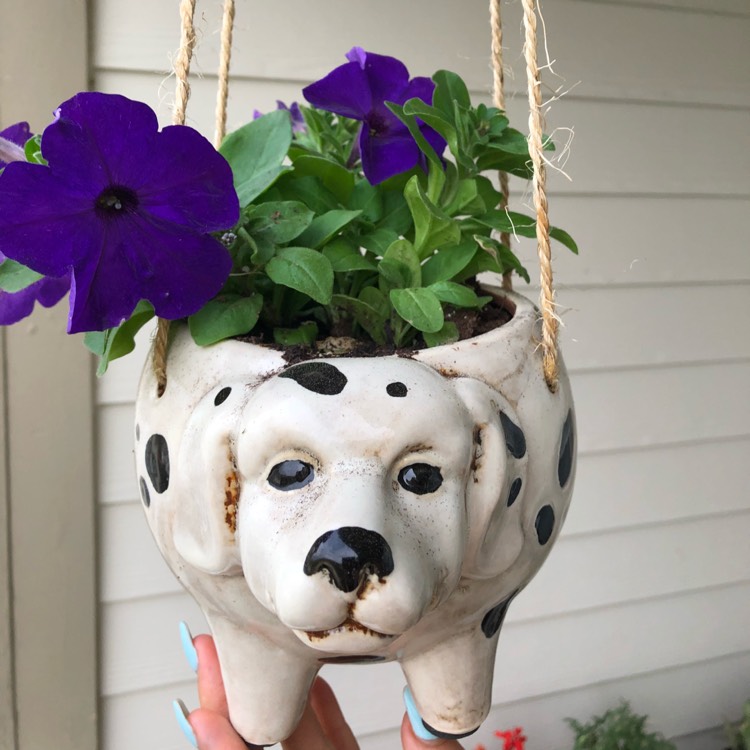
x=16, y=135
x=295, y=114
x=359, y=89
x=123, y=206
x=48, y=291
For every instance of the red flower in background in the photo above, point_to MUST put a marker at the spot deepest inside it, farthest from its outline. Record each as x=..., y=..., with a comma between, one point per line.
x=513, y=739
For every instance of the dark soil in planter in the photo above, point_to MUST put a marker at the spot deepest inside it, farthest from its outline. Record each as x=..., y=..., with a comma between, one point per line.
x=470, y=323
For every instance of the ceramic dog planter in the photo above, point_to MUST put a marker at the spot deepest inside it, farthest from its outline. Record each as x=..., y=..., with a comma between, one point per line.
x=357, y=509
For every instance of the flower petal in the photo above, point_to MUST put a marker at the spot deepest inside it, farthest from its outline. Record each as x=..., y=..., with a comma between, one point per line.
x=141, y=257
x=188, y=182
x=387, y=77
x=41, y=219
x=344, y=91
x=18, y=133
x=101, y=140
x=18, y=305
x=385, y=156
x=419, y=88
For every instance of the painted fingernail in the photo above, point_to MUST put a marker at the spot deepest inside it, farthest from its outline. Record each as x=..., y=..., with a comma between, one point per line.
x=186, y=638
x=181, y=714
x=416, y=721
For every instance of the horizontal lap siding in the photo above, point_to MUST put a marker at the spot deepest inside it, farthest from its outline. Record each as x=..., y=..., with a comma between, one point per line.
x=646, y=594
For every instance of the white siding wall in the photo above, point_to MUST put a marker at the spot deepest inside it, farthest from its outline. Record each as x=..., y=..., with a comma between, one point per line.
x=647, y=594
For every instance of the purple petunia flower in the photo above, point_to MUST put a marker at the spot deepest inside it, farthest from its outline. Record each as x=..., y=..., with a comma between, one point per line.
x=295, y=113
x=16, y=135
x=359, y=89
x=48, y=291
x=127, y=208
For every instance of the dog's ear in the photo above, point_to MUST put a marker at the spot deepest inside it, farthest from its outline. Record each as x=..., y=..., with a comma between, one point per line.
x=495, y=486
x=207, y=495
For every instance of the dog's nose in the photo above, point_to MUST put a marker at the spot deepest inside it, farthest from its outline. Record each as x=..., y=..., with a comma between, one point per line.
x=349, y=554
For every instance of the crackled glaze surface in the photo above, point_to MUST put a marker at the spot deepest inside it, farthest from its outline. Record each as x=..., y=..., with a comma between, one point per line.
x=353, y=510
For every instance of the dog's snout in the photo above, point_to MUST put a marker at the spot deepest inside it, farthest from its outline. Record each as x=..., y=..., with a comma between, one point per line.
x=348, y=554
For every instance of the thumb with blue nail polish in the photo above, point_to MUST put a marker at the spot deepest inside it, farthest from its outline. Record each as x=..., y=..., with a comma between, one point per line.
x=414, y=734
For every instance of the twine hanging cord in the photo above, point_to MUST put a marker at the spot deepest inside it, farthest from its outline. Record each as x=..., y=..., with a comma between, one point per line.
x=498, y=98
x=182, y=94
x=550, y=323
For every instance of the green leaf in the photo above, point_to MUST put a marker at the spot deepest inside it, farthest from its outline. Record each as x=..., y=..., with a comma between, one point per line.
x=448, y=262
x=307, y=190
x=305, y=270
x=563, y=238
x=14, y=277
x=413, y=127
x=224, y=317
x=367, y=311
x=323, y=228
x=403, y=252
x=466, y=194
x=432, y=226
x=304, y=334
x=334, y=176
x=368, y=199
x=396, y=214
x=457, y=295
x=436, y=119
x=449, y=88
x=418, y=307
x=345, y=256
x=448, y=334
x=505, y=259
x=33, y=150
x=278, y=221
x=117, y=342
x=377, y=242
x=256, y=153
x=522, y=225
x=393, y=274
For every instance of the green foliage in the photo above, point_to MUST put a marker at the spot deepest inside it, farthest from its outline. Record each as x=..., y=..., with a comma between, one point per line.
x=738, y=734
x=319, y=251
x=617, y=729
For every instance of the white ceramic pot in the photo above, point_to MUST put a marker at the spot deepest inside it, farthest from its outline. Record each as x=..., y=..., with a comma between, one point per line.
x=357, y=509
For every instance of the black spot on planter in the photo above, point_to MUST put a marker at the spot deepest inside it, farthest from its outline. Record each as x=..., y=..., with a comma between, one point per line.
x=397, y=390
x=514, y=437
x=137, y=432
x=545, y=524
x=222, y=396
x=567, y=449
x=493, y=620
x=515, y=488
x=355, y=659
x=157, y=462
x=144, y=493
x=318, y=377
x=446, y=735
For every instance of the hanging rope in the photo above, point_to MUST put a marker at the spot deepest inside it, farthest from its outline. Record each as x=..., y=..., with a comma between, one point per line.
x=182, y=94
x=547, y=299
x=222, y=93
x=498, y=98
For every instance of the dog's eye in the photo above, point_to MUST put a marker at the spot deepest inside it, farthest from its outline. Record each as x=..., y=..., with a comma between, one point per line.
x=291, y=475
x=421, y=479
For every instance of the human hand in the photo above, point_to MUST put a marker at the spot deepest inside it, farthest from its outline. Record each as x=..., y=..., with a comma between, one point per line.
x=322, y=727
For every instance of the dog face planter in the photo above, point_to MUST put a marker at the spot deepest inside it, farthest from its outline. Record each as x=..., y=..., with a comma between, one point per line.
x=353, y=510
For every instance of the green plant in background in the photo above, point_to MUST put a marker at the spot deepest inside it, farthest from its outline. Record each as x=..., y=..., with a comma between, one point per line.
x=617, y=729
x=739, y=734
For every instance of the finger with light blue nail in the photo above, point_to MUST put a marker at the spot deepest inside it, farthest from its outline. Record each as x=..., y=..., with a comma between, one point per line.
x=181, y=713
x=416, y=721
x=186, y=638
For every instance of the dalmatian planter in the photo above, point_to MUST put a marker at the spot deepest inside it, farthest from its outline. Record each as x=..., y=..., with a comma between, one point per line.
x=349, y=510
